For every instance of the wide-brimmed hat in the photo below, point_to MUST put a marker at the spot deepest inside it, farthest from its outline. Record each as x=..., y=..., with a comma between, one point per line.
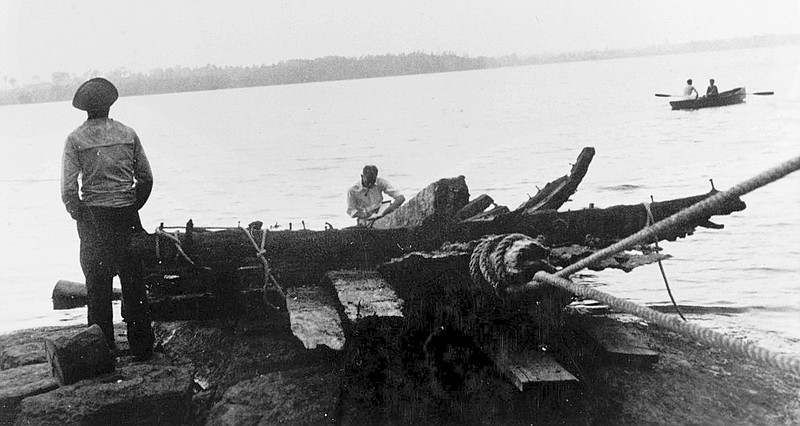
x=96, y=94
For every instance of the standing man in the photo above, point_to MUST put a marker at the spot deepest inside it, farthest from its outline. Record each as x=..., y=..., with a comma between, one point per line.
x=115, y=182
x=365, y=199
x=687, y=91
x=712, y=89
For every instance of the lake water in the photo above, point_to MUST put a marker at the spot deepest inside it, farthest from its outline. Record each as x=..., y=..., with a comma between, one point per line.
x=286, y=154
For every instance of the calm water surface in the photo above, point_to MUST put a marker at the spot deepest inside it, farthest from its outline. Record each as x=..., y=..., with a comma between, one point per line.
x=287, y=154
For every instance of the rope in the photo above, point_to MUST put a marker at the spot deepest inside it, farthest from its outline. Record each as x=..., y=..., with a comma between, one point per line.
x=650, y=221
x=498, y=256
x=177, y=243
x=475, y=271
x=781, y=361
x=704, y=207
x=260, y=252
x=490, y=264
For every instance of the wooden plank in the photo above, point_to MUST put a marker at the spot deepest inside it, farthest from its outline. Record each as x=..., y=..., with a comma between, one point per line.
x=621, y=342
x=365, y=293
x=527, y=369
x=314, y=317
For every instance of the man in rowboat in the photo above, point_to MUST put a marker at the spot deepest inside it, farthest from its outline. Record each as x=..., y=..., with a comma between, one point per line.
x=712, y=89
x=365, y=199
x=687, y=91
x=104, y=159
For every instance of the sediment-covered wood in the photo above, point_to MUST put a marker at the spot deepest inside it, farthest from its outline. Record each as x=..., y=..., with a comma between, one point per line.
x=69, y=294
x=437, y=204
x=83, y=355
x=557, y=192
x=298, y=257
x=364, y=294
x=474, y=207
x=314, y=317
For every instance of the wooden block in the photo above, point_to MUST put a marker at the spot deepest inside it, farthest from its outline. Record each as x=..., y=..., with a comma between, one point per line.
x=83, y=355
x=365, y=293
x=314, y=317
x=621, y=343
x=526, y=369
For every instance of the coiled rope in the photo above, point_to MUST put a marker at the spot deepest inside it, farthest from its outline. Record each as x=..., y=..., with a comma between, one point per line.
x=495, y=260
x=700, y=209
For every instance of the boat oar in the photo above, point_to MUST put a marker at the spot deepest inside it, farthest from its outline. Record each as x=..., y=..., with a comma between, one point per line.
x=662, y=95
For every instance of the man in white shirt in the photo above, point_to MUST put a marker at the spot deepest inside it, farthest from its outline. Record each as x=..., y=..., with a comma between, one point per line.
x=687, y=91
x=365, y=199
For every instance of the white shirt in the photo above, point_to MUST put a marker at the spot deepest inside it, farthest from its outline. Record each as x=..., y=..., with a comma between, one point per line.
x=368, y=200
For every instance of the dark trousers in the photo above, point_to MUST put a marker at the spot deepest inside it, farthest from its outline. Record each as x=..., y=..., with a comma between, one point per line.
x=105, y=235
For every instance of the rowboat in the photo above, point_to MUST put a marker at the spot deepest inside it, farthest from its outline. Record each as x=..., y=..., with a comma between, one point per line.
x=730, y=97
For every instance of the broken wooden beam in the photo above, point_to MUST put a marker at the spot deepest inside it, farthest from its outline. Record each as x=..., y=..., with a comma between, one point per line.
x=364, y=294
x=70, y=294
x=474, y=207
x=314, y=317
x=436, y=205
x=557, y=192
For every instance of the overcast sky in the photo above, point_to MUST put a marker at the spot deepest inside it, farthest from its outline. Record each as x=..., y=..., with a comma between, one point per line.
x=39, y=37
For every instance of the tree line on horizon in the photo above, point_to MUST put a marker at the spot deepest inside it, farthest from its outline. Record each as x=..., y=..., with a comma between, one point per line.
x=331, y=68
x=210, y=77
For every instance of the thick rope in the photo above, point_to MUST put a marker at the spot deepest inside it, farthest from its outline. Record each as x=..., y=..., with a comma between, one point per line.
x=698, y=210
x=765, y=356
x=487, y=268
x=498, y=256
x=489, y=263
x=781, y=361
x=475, y=264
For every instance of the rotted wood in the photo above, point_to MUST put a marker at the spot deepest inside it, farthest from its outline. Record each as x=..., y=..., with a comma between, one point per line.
x=436, y=205
x=557, y=192
x=314, y=317
x=551, y=197
x=83, y=355
x=474, y=207
x=441, y=293
x=70, y=294
x=298, y=257
x=364, y=294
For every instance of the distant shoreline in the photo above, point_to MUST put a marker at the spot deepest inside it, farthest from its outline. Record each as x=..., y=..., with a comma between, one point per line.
x=333, y=68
